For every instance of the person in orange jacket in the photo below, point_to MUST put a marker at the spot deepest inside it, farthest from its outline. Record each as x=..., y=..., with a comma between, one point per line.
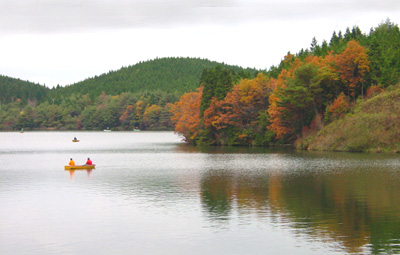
x=71, y=162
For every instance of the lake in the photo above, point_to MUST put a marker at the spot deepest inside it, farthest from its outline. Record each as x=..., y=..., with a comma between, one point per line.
x=150, y=193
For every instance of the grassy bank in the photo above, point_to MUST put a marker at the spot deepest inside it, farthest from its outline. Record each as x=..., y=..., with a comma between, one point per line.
x=372, y=126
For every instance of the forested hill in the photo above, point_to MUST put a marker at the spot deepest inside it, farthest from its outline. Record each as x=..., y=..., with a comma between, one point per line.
x=15, y=89
x=169, y=75
x=133, y=97
x=304, y=94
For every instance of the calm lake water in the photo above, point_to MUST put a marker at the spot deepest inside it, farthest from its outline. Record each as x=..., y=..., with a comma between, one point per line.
x=152, y=194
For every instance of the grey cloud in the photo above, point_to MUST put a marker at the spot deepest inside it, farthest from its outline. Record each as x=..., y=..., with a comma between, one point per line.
x=49, y=16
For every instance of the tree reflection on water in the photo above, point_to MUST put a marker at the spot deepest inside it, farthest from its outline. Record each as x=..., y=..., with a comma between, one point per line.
x=358, y=208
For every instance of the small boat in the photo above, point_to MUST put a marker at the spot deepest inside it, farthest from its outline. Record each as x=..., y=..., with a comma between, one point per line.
x=79, y=167
x=75, y=141
x=136, y=130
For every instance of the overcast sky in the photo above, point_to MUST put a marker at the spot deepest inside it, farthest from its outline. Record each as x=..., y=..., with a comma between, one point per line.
x=65, y=41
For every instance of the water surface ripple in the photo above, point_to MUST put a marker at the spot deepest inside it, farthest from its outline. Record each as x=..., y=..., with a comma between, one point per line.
x=152, y=194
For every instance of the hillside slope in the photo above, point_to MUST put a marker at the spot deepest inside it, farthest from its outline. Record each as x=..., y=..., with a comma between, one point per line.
x=373, y=126
x=166, y=74
x=12, y=89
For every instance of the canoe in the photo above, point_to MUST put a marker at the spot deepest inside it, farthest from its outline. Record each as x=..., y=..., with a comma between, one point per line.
x=75, y=141
x=79, y=167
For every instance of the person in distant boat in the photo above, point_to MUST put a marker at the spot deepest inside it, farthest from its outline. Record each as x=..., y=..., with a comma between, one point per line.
x=71, y=162
x=88, y=162
x=75, y=138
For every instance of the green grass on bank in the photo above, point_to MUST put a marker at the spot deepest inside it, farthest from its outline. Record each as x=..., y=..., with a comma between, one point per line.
x=372, y=126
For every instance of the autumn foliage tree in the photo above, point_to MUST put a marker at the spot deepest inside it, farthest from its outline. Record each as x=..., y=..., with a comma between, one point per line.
x=306, y=88
x=373, y=91
x=275, y=112
x=230, y=109
x=235, y=119
x=352, y=66
x=128, y=116
x=186, y=115
x=151, y=116
x=277, y=108
x=338, y=108
x=289, y=101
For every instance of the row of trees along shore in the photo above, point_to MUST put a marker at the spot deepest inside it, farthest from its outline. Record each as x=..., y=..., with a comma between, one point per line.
x=304, y=93
x=147, y=111
x=134, y=97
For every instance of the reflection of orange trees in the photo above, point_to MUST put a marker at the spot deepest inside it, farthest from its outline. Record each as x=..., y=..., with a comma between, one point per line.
x=351, y=209
x=250, y=196
x=275, y=190
x=344, y=207
x=259, y=195
x=351, y=214
x=374, y=205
